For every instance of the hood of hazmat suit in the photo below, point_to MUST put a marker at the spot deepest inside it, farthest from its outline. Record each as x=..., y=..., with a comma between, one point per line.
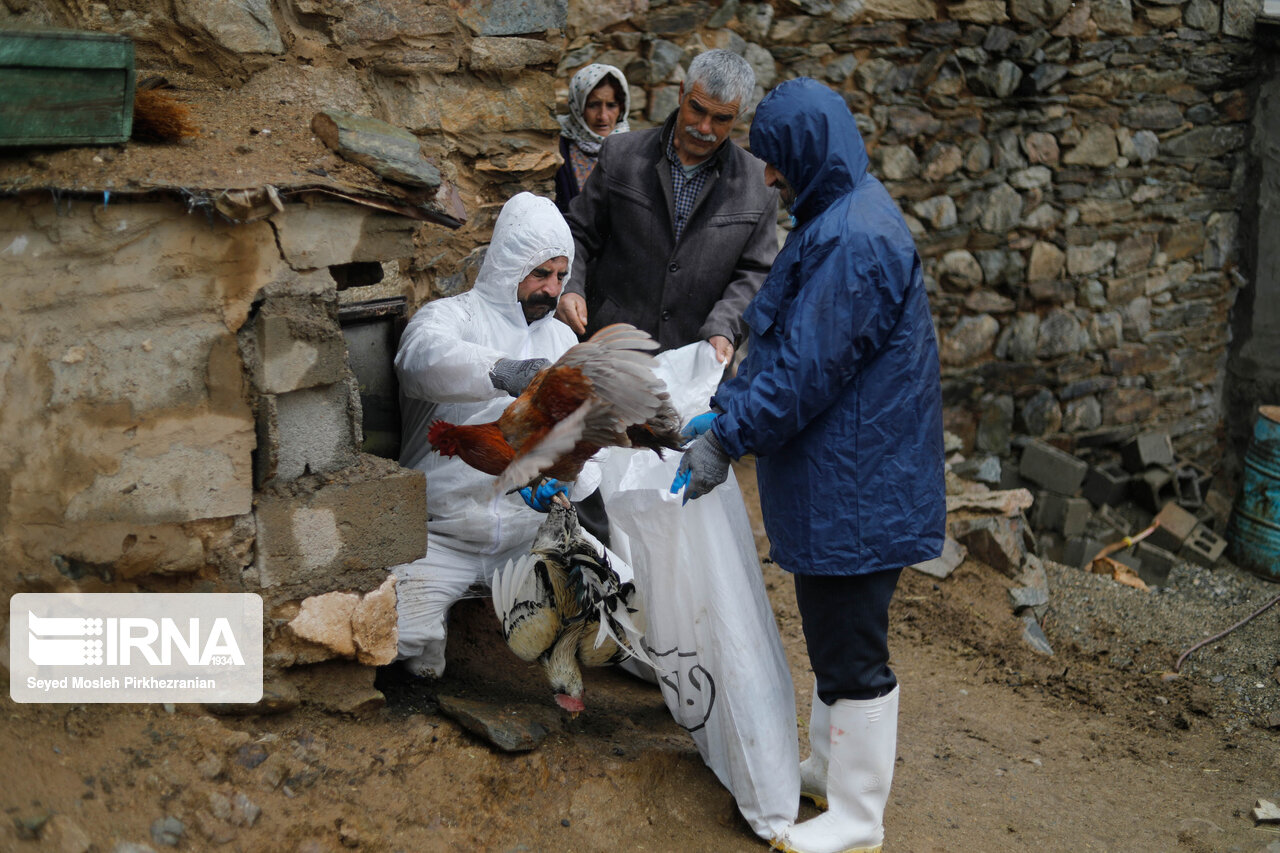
x=443, y=364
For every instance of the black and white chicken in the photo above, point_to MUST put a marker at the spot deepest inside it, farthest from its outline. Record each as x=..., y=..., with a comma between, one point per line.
x=564, y=606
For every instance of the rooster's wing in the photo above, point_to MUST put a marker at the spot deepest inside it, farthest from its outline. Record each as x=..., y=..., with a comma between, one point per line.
x=524, y=598
x=590, y=396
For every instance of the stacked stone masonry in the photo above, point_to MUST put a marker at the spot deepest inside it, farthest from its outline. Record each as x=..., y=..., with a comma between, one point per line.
x=1072, y=172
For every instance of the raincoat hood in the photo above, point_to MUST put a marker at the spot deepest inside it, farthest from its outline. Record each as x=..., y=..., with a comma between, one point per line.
x=530, y=230
x=805, y=131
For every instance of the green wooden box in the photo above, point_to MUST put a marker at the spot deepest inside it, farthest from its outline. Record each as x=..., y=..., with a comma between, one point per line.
x=65, y=87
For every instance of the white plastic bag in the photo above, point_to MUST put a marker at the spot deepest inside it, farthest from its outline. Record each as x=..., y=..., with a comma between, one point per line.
x=710, y=626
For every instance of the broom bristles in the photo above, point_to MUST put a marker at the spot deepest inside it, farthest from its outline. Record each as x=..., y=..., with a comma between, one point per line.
x=157, y=117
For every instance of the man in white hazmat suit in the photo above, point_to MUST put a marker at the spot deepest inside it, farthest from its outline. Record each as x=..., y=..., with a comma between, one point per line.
x=462, y=360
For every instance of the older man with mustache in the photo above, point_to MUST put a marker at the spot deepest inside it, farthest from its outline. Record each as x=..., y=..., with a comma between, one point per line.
x=675, y=229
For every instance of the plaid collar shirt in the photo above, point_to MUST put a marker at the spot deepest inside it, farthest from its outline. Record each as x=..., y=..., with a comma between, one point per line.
x=685, y=187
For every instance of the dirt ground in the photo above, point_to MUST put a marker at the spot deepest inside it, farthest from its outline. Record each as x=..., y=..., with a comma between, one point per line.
x=1000, y=749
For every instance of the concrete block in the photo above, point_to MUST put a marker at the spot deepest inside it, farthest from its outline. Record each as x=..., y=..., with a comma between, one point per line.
x=300, y=345
x=1080, y=551
x=1106, y=485
x=1176, y=525
x=1156, y=563
x=1187, y=481
x=1110, y=523
x=1128, y=558
x=1145, y=450
x=1010, y=478
x=313, y=236
x=1051, y=468
x=1068, y=516
x=342, y=533
x=312, y=431
x=1153, y=488
x=1203, y=547
x=1050, y=545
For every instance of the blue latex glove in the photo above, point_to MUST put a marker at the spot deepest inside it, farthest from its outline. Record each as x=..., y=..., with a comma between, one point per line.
x=540, y=499
x=697, y=426
x=704, y=466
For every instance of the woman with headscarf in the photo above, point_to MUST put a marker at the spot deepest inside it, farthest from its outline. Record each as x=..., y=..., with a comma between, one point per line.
x=598, y=105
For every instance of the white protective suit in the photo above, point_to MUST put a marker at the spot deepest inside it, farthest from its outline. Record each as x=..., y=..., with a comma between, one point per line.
x=443, y=365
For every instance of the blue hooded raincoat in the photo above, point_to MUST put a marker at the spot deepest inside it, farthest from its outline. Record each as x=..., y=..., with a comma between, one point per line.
x=839, y=396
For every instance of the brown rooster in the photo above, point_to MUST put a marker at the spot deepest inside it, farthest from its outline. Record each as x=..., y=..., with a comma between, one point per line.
x=600, y=393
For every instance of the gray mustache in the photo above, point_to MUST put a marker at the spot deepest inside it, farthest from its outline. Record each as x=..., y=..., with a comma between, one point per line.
x=696, y=134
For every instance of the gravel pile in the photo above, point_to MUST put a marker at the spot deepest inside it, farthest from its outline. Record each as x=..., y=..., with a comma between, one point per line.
x=1099, y=615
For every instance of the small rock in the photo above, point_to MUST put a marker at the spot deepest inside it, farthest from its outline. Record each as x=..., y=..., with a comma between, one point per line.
x=1023, y=597
x=508, y=732
x=274, y=771
x=29, y=828
x=243, y=810
x=167, y=831
x=1265, y=811
x=220, y=805
x=213, y=830
x=211, y=766
x=348, y=834
x=1033, y=635
x=1008, y=502
x=994, y=541
x=953, y=554
x=64, y=835
x=132, y=847
x=251, y=755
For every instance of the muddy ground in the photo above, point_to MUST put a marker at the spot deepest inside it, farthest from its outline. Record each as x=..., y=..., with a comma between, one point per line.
x=1000, y=748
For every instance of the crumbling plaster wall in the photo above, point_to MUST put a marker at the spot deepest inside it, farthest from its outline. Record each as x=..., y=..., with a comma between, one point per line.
x=128, y=431
x=180, y=416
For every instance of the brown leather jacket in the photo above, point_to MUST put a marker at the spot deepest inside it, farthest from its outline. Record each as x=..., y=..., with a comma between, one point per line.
x=628, y=264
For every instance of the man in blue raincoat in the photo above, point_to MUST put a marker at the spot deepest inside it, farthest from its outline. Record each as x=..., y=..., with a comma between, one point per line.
x=840, y=400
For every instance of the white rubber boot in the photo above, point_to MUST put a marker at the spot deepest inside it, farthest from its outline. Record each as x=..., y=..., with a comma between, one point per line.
x=813, y=770
x=864, y=744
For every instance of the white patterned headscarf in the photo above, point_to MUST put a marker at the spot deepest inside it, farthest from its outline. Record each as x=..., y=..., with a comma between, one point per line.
x=573, y=126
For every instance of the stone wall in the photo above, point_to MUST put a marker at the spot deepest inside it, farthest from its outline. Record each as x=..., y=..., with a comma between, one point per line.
x=1073, y=172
